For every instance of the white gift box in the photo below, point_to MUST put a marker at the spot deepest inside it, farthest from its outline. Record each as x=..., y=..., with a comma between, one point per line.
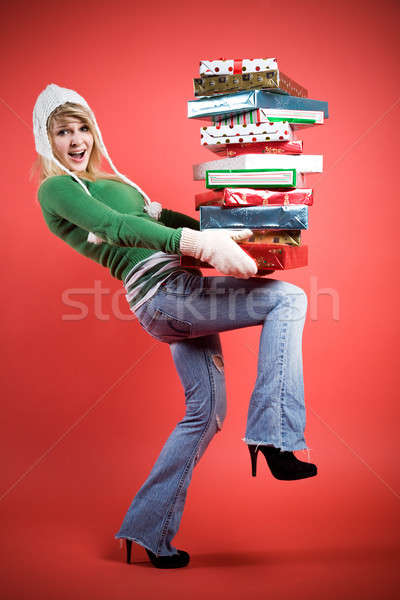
x=303, y=163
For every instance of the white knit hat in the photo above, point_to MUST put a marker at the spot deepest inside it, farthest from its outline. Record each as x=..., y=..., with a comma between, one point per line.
x=47, y=101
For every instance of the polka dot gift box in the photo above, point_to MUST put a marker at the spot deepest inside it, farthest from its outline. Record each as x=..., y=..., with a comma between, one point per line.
x=246, y=132
x=233, y=66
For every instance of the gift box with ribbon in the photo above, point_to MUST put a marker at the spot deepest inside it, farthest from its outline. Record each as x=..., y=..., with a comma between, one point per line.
x=274, y=81
x=267, y=256
x=297, y=118
x=256, y=132
x=256, y=178
x=228, y=105
x=238, y=149
x=230, y=197
x=255, y=217
x=303, y=163
x=234, y=66
x=291, y=237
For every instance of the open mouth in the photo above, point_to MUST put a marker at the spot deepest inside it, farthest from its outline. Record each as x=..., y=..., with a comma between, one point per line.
x=77, y=156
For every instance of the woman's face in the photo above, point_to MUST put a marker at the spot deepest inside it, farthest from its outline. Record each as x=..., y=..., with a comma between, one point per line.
x=72, y=142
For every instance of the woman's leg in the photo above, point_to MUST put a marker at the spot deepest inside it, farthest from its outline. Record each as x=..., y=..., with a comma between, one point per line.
x=155, y=513
x=276, y=412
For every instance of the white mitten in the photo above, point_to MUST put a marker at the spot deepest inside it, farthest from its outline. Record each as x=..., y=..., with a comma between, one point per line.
x=218, y=248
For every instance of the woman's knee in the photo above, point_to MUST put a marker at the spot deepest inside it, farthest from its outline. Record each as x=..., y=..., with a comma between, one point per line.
x=292, y=298
x=207, y=406
x=209, y=412
x=219, y=389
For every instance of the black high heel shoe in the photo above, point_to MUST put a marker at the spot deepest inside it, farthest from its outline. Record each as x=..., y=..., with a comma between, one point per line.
x=283, y=464
x=175, y=561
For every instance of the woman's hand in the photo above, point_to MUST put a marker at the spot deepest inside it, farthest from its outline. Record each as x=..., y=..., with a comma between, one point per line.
x=218, y=248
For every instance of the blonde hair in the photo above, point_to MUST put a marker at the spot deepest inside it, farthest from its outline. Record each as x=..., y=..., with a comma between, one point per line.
x=46, y=167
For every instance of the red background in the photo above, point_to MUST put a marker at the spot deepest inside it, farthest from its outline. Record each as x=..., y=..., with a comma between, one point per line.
x=88, y=403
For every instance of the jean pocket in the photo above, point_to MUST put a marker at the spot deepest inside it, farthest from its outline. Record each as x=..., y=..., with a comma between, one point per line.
x=167, y=328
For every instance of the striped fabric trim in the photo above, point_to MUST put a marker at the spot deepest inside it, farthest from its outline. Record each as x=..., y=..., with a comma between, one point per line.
x=136, y=278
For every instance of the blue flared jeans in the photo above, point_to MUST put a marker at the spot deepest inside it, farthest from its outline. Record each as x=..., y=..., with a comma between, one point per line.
x=188, y=311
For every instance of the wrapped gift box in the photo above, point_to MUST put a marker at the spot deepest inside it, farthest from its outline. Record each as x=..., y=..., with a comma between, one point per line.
x=232, y=104
x=303, y=163
x=267, y=257
x=256, y=132
x=301, y=183
x=210, y=198
x=291, y=216
x=274, y=81
x=297, y=118
x=237, y=149
x=237, y=65
x=257, y=178
x=291, y=237
x=231, y=197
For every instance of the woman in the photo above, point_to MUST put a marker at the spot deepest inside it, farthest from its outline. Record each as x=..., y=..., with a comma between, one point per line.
x=109, y=219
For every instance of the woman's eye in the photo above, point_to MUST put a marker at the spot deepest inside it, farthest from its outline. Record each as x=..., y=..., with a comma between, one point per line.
x=83, y=128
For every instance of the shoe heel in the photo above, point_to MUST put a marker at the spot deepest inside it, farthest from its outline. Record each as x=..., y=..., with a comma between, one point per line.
x=253, y=455
x=139, y=554
x=128, y=550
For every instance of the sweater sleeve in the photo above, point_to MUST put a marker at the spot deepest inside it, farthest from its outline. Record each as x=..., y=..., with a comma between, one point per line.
x=171, y=218
x=60, y=196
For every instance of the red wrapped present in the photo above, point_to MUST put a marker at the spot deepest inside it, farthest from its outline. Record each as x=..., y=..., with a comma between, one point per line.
x=248, y=197
x=229, y=150
x=267, y=256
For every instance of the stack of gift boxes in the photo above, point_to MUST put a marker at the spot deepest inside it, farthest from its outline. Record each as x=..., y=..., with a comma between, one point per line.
x=258, y=181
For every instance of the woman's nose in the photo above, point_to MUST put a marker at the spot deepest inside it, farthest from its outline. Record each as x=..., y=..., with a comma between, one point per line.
x=76, y=138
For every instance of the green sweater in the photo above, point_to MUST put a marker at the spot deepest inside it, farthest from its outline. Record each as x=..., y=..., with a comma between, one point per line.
x=114, y=213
